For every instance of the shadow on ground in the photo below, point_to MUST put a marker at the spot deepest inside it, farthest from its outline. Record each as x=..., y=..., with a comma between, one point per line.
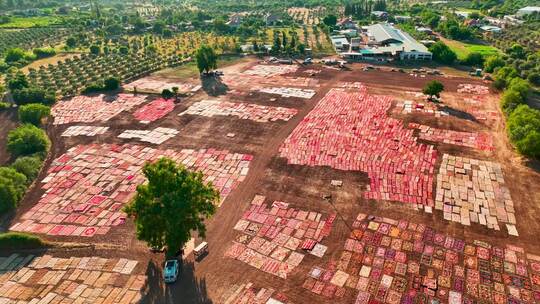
x=188, y=288
x=458, y=113
x=214, y=86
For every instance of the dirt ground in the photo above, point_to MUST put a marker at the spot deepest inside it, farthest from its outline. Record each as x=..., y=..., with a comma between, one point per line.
x=303, y=187
x=8, y=121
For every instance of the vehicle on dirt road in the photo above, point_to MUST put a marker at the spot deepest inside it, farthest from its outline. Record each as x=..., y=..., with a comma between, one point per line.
x=170, y=271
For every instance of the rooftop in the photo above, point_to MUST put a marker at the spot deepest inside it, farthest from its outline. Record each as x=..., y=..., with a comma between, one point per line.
x=394, y=39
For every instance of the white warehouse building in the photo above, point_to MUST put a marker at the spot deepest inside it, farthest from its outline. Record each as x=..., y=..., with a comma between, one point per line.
x=383, y=41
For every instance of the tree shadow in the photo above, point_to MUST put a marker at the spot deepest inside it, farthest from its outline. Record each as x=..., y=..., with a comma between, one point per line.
x=533, y=164
x=213, y=85
x=457, y=113
x=187, y=289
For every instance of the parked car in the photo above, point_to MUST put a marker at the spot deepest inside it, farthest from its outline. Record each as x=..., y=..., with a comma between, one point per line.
x=170, y=273
x=308, y=61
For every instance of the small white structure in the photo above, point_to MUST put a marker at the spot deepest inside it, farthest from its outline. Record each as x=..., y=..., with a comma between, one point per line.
x=340, y=43
x=491, y=29
x=528, y=10
x=200, y=250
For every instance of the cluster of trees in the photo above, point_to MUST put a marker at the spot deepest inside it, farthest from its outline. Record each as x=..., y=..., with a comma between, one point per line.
x=442, y=53
x=282, y=45
x=29, y=144
x=23, y=92
x=108, y=84
x=523, y=122
x=453, y=28
x=363, y=8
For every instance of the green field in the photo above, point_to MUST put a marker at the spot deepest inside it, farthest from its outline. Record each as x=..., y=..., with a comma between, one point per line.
x=26, y=22
x=462, y=49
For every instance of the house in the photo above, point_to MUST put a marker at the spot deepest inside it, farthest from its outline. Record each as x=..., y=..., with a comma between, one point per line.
x=340, y=43
x=381, y=15
x=512, y=20
x=401, y=19
x=472, y=23
x=235, y=20
x=349, y=33
x=425, y=30
x=528, y=10
x=347, y=23
x=356, y=43
x=272, y=19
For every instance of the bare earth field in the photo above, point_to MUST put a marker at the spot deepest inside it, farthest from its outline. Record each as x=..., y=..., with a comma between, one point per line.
x=394, y=200
x=9, y=121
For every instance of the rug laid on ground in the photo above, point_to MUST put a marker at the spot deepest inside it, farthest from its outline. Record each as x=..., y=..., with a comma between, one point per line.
x=248, y=293
x=100, y=108
x=86, y=188
x=249, y=111
x=390, y=261
x=352, y=131
x=474, y=191
x=275, y=238
x=49, y=279
x=476, y=140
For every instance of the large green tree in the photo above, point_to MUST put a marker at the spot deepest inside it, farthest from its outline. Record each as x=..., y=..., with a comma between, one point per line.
x=442, y=53
x=523, y=128
x=433, y=88
x=27, y=139
x=206, y=59
x=12, y=188
x=173, y=203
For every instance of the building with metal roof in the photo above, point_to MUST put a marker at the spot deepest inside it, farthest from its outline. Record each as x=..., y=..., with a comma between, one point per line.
x=528, y=10
x=385, y=38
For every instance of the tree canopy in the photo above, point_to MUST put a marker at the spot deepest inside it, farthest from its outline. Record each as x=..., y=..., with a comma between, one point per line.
x=206, y=59
x=442, y=53
x=173, y=203
x=433, y=88
x=27, y=139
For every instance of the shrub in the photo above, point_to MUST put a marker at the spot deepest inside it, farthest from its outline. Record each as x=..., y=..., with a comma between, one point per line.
x=44, y=52
x=474, y=59
x=521, y=86
x=4, y=105
x=33, y=95
x=12, y=188
x=29, y=166
x=534, y=78
x=442, y=53
x=511, y=99
x=167, y=94
x=111, y=84
x=92, y=88
x=492, y=63
x=95, y=49
x=14, y=55
x=33, y=113
x=18, y=82
x=27, y=139
x=503, y=76
x=523, y=128
x=17, y=240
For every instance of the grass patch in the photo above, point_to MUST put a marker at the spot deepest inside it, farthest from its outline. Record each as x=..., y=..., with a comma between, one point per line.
x=17, y=240
x=27, y=22
x=189, y=70
x=462, y=49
